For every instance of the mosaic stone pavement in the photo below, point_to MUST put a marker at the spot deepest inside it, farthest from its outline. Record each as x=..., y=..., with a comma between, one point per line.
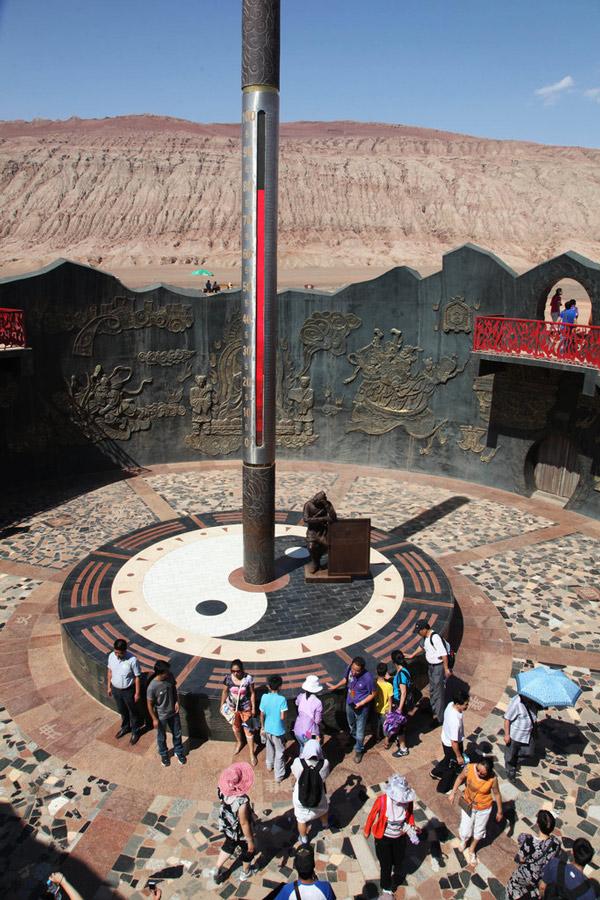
x=13, y=589
x=188, y=492
x=59, y=536
x=122, y=818
x=47, y=806
x=565, y=778
x=436, y=519
x=548, y=593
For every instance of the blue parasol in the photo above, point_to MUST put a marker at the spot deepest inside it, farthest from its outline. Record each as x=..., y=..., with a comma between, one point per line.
x=548, y=687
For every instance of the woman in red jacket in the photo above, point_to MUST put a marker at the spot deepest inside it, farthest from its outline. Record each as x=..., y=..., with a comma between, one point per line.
x=390, y=821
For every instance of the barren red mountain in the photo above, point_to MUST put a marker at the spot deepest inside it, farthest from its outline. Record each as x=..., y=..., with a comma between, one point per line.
x=146, y=190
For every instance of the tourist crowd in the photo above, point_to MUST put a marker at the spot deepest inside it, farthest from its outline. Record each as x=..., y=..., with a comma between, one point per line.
x=386, y=702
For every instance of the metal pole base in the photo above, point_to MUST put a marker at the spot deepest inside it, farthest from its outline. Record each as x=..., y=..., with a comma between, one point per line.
x=258, y=499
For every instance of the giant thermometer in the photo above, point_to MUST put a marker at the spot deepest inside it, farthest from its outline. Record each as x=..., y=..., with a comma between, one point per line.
x=260, y=148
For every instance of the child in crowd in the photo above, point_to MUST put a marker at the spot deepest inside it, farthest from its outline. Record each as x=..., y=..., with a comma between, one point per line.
x=273, y=708
x=403, y=699
x=383, y=698
x=163, y=706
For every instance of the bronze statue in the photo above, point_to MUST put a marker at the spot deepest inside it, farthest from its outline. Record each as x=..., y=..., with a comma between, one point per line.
x=317, y=514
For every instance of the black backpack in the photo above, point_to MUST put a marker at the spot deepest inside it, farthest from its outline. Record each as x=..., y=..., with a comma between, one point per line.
x=310, y=785
x=572, y=893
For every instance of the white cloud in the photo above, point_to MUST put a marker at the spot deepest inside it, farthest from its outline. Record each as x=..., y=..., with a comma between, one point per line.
x=593, y=94
x=551, y=92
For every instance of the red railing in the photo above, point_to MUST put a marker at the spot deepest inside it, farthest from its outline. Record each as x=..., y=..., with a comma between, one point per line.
x=577, y=344
x=12, y=328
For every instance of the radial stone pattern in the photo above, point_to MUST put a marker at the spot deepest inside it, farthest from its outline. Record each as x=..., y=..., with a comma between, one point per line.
x=175, y=590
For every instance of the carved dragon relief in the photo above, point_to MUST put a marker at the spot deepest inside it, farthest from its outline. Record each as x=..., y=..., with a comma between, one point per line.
x=395, y=390
x=457, y=315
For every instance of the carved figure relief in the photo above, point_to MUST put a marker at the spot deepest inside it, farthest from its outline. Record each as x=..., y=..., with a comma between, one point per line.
x=474, y=437
x=216, y=399
x=324, y=331
x=103, y=407
x=165, y=357
x=396, y=391
x=297, y=425
x=457, y=315
x=117, y=315
x=201, y=401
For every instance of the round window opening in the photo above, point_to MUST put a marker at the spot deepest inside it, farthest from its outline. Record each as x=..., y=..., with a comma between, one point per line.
x=565, y=292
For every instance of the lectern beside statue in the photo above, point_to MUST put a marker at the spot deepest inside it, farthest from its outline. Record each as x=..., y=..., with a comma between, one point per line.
x=346, y=542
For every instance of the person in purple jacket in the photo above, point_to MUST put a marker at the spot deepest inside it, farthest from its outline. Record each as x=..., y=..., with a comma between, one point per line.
x=361, y=691
x=310, y=711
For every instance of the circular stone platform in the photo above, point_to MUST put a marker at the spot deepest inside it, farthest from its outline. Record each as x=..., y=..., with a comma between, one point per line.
x=174, y=590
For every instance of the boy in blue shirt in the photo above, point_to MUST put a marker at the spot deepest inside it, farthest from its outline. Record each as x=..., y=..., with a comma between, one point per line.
x=273, y=708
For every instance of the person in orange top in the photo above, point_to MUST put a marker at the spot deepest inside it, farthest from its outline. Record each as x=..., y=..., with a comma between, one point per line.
x=481, y=789
x=391, y=819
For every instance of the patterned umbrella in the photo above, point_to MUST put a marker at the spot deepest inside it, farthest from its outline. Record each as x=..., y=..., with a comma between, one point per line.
x=548, y=687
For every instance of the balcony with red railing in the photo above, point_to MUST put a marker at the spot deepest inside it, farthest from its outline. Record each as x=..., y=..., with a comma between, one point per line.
x=576, y=345
x=12, y=329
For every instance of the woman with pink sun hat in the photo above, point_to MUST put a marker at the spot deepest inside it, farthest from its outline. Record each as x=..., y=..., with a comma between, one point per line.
x=236, y=819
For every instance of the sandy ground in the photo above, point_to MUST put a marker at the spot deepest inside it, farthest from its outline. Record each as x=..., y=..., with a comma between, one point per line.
x=321, y=279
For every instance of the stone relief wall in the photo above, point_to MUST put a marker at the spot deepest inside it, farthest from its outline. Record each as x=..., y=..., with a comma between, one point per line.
x=380, y=372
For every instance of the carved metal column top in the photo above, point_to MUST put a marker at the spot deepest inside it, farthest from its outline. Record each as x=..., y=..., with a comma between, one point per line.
x=260, y=43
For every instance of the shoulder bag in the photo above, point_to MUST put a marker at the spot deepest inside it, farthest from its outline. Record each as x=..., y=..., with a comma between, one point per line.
x=465, y=805
x=227, y=712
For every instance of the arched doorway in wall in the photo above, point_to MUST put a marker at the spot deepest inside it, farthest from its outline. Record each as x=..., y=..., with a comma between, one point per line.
x=554, y=466
x=571, y=290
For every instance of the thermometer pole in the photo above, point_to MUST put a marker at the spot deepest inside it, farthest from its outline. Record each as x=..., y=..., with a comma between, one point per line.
x=260, y=151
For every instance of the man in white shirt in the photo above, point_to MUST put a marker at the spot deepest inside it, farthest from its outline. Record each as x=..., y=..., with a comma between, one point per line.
x=453, y=734
x=436, y=654
x=124, y=685
x=519, y=722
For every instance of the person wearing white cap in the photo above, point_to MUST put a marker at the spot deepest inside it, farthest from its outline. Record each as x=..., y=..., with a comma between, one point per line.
x=390, y=821
x=310, y=798
x=310, y=711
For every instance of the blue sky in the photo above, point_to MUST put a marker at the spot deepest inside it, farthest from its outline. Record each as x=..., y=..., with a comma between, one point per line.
x=523, y=69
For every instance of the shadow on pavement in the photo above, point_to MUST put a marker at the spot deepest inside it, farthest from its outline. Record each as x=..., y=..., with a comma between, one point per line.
x=428, y=517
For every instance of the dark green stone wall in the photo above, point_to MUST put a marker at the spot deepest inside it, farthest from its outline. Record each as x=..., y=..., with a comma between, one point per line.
x=110, y=379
